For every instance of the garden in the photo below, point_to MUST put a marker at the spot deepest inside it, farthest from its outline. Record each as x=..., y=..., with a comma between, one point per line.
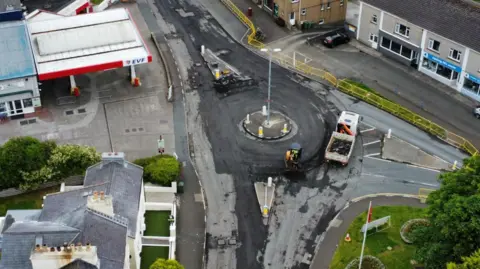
x=150, y=254
x=160, y=169
x=157, y=223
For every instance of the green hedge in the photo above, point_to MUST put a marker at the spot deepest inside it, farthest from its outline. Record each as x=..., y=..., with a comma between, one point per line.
x=160, y=169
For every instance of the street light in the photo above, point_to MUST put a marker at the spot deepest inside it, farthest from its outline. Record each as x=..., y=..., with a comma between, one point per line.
x=271, y=51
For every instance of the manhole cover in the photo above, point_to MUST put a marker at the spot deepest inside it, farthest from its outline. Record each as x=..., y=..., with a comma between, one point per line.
x=69, y=112
x=134, y=130
x=30, y=121
x=163, y=121
x=127, y=131
x=221, y=242
x=140, y=129
x=232, y=242
x=82, y=110
x=23, y=122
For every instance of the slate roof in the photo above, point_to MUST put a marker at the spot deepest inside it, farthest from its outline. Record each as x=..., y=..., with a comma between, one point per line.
x=456, y=20
x=79, y=264
x=123, y=181
x=15, y=51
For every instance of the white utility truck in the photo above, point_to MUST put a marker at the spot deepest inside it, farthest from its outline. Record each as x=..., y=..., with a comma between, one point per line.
x=341, y=143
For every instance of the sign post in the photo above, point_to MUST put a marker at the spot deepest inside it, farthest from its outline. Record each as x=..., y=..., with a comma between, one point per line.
x=161, y=145
x=369, y=216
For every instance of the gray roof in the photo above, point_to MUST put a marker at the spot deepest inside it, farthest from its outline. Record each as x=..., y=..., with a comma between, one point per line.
x=457, y=20
x=15, y=51
x=79, y=264
x=124, y=183
x=13, y=3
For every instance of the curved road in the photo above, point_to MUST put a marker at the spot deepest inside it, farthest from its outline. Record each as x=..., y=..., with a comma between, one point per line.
x=327, y=247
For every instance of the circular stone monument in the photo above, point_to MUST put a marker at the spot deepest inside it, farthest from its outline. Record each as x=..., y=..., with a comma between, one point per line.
x=278, y=127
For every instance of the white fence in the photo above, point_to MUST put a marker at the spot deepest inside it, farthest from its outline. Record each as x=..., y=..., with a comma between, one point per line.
x=152, y=188
x=103, y=5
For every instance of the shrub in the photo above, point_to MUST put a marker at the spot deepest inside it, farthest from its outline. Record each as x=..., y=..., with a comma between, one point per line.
x=166, y=264
x=408, y=228
x=369, y=262
x=160, y=169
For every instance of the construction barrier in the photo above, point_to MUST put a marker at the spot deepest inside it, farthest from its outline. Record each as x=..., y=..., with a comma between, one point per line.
x=344, y=86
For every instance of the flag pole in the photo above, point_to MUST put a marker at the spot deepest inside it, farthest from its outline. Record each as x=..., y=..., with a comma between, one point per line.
x=365, y=235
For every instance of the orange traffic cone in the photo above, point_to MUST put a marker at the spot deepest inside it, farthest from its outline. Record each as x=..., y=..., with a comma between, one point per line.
x=347, y=238
x=136, y=82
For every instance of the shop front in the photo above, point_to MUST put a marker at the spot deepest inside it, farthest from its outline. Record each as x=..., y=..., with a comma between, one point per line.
x=440, y=69
x=471, y=86
x=18, y=104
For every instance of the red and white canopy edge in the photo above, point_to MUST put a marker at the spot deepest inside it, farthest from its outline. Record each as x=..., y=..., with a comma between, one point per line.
x=65, y=46
x=74, y=8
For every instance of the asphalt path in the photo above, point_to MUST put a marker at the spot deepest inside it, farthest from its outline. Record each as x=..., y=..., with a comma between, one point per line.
x=304, y=204
x=329, y=243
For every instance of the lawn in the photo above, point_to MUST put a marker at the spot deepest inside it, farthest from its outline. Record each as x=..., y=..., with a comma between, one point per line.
x=151, y=254
x=363, y=86
x=157, y=223
x=30, y=200
x=377, y=243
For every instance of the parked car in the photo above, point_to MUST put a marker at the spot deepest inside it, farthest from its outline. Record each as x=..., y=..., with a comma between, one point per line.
x=336, y=39
x=476, y=112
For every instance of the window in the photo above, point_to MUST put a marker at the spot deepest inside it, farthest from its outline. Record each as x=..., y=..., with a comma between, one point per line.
x=406, y=52
x=386, y=42
x=2, y=108
x=455, y=55
x=321, y=21
x=444, y=72
x=27, y=102
x=328, y=5
x=434, y=45
x=374, y=19
x=467, y=85
x=341, y=2
x=322, y=7
x=396, y=47
x=304, y=11
x=373, y=38
x=402, y=30
x=429, y=65
x=292, y=16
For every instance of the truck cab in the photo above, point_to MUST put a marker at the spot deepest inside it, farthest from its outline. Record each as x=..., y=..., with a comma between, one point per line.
x=350, y=120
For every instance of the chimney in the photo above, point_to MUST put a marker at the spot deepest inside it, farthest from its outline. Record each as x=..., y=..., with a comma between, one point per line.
x=60, y=256
x=52, y=249
x=38, y=248
x=103, y=204
x=95, y=195
x=88, y=246
x=59, y=248
x=45, y=248
x=102, y=195
x=78, y=247
x=118, y=157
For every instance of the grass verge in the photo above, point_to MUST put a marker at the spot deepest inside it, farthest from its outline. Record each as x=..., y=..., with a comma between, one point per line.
x=363, y=86
x=157, y=223
x=378, y=242
x=29, y=200
x=151, y=254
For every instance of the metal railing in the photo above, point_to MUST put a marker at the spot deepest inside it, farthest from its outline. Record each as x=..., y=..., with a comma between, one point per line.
x=344, y=86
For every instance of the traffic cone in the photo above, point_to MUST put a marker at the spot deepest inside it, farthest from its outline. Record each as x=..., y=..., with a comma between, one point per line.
x=75, y=91
x=136, y=82
x=347, y=238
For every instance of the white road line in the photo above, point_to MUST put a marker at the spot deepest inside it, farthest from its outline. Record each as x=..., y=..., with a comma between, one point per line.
x=176, y=62
x=367, y=130
x=369, y=125
x=373, y=175
x=378, y=159
x=373, y=154
x=371, y=143
x=422, y=183
x=425, y=168
x=181, y=84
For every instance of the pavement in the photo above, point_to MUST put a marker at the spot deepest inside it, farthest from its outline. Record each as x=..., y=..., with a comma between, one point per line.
x=395, y=149
x=279, y=126
x=339, y=226
x=265, y=195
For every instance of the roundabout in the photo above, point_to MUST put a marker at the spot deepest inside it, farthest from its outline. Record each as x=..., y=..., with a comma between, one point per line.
x=273, y=127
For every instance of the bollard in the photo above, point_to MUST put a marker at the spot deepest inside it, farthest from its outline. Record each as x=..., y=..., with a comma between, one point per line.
x=217, y=73
x=260, y=131
x=265, y=211
x=247, y=121
x=269, y=184
x=264, y=110
x=454, y=165
x=389, y=134
x=203, y=49
x=284, y=130
x=249, y=12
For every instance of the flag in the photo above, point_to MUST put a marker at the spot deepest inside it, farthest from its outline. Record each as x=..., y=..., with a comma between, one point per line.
x=370, y=210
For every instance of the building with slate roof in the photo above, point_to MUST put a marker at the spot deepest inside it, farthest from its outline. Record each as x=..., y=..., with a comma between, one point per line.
x=107, y=214
x=440, y=38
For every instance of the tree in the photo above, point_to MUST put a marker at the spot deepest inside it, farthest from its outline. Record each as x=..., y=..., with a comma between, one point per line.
x=71, y=160
x=160, y=169
x=470, y=262
x=166, y=264
x=454, y=213
x=22, y=154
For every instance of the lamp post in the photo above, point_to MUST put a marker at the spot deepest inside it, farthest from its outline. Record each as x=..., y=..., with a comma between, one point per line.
x=271, y=51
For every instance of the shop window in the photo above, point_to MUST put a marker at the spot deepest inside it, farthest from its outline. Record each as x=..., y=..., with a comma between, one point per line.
x=406, y=52
x=373, y=38
x=396, y=47
x=27, y=102
x=444, y=72
x=402, y=30
x=429, y=65
x=386, y=42
x=455, y=55
x=434, y=45
x=469, y=85
x=374, y=19
x=3, y=108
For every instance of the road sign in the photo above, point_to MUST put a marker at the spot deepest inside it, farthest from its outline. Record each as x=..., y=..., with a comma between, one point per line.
x=375, y=224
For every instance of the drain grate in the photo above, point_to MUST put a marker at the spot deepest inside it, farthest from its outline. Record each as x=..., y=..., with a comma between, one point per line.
x=69, y=112
x=81, y=110
x=24, y=122
x=30, y=121
x=27, y=122
x=163, y=121
x=135, y=130
x=127, y=130
x=140, y=129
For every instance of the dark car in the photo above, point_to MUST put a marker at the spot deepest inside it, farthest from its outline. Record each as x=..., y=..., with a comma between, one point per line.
x=336, y=39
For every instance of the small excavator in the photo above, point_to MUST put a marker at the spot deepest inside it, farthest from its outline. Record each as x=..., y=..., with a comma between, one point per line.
x=293, y=157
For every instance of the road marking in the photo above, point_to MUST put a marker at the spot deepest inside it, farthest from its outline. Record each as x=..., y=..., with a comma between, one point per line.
x=369, y=125
x=371, y=143
x=425, y=168
x=181, y=83
x=373, y=175
x=198, y=197
x=373, y=154
x=422, y=183
x=373, y=158
x=367, y=130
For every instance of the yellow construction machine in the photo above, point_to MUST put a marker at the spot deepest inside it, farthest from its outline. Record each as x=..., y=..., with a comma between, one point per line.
x=293, y=157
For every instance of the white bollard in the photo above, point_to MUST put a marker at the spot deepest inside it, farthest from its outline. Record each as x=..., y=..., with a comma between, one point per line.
x=260, y=131
x=269, y=184
x=389, y=134
x=285, y=130
x=247, y=121
x=264, y=110
x=454, y=165
x=203, y=49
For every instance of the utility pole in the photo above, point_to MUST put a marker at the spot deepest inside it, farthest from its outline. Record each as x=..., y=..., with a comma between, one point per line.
x=271, y=51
